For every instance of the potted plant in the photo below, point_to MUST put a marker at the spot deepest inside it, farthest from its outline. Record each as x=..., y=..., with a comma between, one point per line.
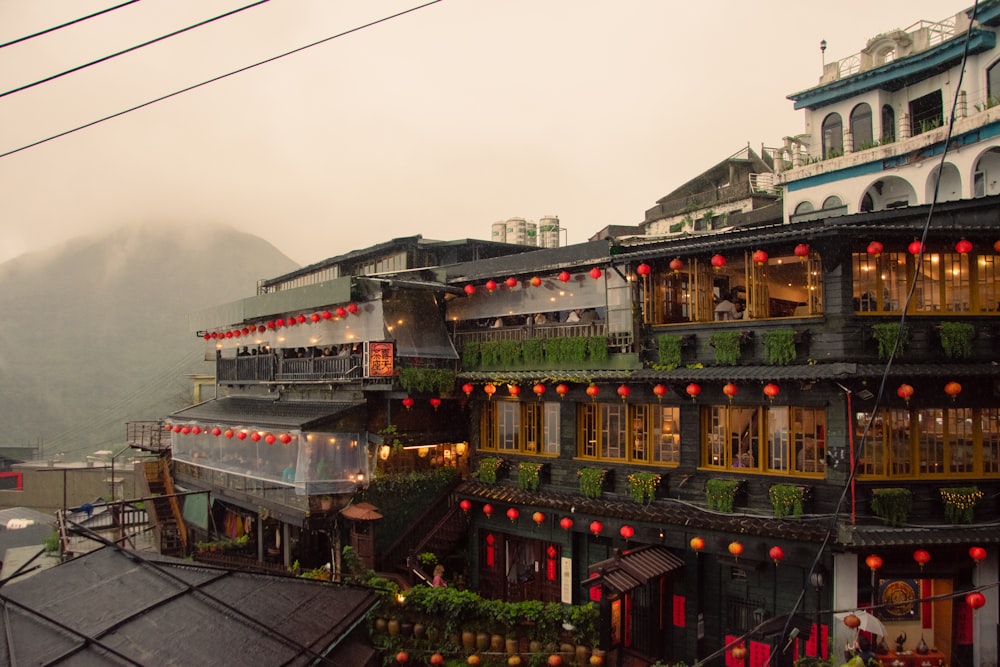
x=786, y=500
x=727, y=346
x=886, y=334
x=669, y=349
x=642, y=486
x=489, y=469
x=779, y=347
x=470, y=354
x=533, y=351
x=956, y=339
x=597, y=348
x=592, y=481
x=528, y=475
x=960, y=503
x=720, y=494
x=892, y=505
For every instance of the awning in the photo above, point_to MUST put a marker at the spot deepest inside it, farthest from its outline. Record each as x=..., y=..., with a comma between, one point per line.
x=266, y=413
x=633, y=568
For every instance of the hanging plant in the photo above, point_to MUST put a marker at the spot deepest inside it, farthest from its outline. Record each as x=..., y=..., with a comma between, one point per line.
x=885, y=336
x=592, y=481
x=533, y=351
x=727, y=347
x=721, y=494
x=489, y=468
x=956, y=339
x=528, y=475
x=427, y=380
x=489, y=352
x=470, y=354
x=597, y=348
x=668, y=348
x=960, y=503
x=642, y=486
x=556, y=350
x=786, y=500
x=510, y=352
x=892, y=505
x=779, y=347
x=576, y=349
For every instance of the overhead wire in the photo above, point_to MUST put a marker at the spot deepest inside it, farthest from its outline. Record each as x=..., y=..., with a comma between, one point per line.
x=130, y=49
x=219, y=78
x=67, y=24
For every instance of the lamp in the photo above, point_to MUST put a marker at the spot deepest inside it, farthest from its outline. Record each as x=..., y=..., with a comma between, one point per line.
x=817, y=579
x=460, y=448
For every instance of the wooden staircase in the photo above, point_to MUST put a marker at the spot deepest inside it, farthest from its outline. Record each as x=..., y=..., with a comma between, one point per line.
x=163, y=509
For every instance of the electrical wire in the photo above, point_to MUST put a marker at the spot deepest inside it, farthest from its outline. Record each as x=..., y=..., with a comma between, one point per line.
x=131, y=49
x=219, y=78
x=64, y=25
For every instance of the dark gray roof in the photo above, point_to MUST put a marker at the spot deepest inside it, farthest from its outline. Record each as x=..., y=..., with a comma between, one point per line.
x=275, y=413
x=117, y=607
x=886, y=536
x=634, y=567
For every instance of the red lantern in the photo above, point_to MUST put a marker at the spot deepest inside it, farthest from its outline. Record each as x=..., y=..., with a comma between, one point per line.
x=538, y=518
x=739, y=652
x=470, y=289
x=916, y=248
x=676, y=264
x=229, y=433
x=279, y=322
x=593, y=390
x=562, y=390
x=565, y=523
x=596, y=273
x=730, y=390
x=693, y=390
x=735, y=548
x=514, y=390
x=643, y=269
x=195, y=430
x=437, y=659
x=905, y=391
x=564, y=276
x=536, y=281
x=963, y=247
x=555, y=660
x=352, y=308
x=975, y=600
x=491, y=286
x=512, y=514
x=435, y=402
x=511, y=282
x=407, y=402
x=660, y=391
x=488, y=510
x=207, y=336
x=241, y=435
x=777, y=554
x=340, y=312
x=300, y=319
x=759, y=257
x=465, y=504
x=269, y=439
x=255, y=436
x=285, y=438
x=624, y=391
x=697, y=543
x=771, y=390
x=953, y=389
x=596, y=527
x=801, y=251
x=216, y=431
x=468, y=388
x=315, y=317
x=977, y=554
x=327, y=315
x=539, y=389
x=626, y=531
x=852, y=621
x=185, y=430
x=402, y=657
x=490, y=389
x=996, y=246
x=875, y=248
x=873, y=562
x=922, y=557
x=718, y=261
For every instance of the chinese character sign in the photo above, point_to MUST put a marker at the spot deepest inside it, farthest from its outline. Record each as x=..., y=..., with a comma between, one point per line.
x=380, y=359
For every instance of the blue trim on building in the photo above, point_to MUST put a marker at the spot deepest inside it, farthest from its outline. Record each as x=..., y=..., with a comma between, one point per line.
x=873, y=167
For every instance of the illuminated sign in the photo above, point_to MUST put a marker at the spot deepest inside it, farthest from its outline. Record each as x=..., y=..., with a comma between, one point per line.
x=380, y=357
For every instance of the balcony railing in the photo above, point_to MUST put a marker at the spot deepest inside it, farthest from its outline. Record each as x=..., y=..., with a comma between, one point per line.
x=271, y=368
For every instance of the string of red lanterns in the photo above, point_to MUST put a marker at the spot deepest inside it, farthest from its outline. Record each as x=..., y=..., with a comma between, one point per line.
x=293, y=320
x=229, y=433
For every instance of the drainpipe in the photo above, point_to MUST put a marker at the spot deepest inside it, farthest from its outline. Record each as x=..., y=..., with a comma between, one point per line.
x=850, y=447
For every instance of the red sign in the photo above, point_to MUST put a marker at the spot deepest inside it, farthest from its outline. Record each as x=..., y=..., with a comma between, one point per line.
x=381, y=359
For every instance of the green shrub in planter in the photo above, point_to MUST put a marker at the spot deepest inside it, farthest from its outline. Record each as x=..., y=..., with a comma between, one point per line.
x=721, y=494
x=892, y=505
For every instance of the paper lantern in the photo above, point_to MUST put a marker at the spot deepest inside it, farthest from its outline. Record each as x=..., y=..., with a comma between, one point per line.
x=953, y=389
x=564, y=276
x=555, y=660
x=565, y=523
x=875, y=248
x=512, y=514
x=437, y=659
x=468, y=388
x=977, y=554
x=730, y=390
x=852, y=621
x=511, y=282
x=538, y=518
x=718, y=261
x=697, y=543
x=596, y=527
x=491, y=286
x=777, y=554
x=659, y=391
x=315, y=317
x=285, y=438
x=739, y=652
x=514, y=390
x=596, y=273
x=255, y=436
x=922, y=557
x=624, y=391
x=470, y=289
x=735, y=548
x=269, y=439
x=916, y=248
x=207, y=336
x=759, y=257
x=407, y=402
x=536, y=281
x=229, y=433
x=435, y=402
x=643, y=269
x=490, y=389
x=465, y=504
x=326, y=315
x=905, y=391
x=402, y=657
x=771, y=390
x=801, y=251
x=539, y=390
x=352, y=308
x=341, y=312
x=963, y=247
x=975, y=600
x=300, y=319
x=693, y=390
x=216, y=431
x=241, y=435
x=626, y=531
x=676, y=264
x=185, y=430
x=279, y=322
x=562, y=389
x=593, y=390
x=996, y=246
x=488, y=510
x=873, y=562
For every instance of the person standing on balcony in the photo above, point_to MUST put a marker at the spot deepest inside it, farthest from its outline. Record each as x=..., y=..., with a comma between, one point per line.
x=438, y=581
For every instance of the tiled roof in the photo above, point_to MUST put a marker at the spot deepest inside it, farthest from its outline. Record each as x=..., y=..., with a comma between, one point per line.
x=887, y=536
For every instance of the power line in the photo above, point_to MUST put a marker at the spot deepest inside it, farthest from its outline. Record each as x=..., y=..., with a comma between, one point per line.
x=131, y=48
x=218, y=78
x=68, y=23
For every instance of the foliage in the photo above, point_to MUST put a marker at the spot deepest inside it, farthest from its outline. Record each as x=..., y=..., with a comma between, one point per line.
x=576, y=349
x=669, y=351
x=642, y=486
x=533, y=350
x=956, y=339
x=52, y=543
x=527, y=475
x=427, y=380
x=510, y=352
x=727, y=347
x=779, y=347
x=786, y=500
x=721, y=494
x=427, y=558
x=471, y=354
x=597, y=348
x=885, y=335
x=489, y=467
x=892, y=505
x=402, y=497
x=489, y=352
x=960, y=503
x=592, y=481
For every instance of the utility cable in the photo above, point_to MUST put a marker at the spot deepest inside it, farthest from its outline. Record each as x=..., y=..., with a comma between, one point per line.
x=131, y=48
x=219, y=78
x=63, y=25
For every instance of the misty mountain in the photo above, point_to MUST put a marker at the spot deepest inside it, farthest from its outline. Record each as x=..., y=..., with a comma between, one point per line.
x=94, y=333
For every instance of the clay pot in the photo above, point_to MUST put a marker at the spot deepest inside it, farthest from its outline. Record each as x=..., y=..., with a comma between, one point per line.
x=393, y=626
x=468, y=640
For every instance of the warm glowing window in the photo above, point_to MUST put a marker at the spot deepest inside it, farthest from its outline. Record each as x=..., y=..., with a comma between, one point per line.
x=515, y=426
x=630, y=432
x=775, y=439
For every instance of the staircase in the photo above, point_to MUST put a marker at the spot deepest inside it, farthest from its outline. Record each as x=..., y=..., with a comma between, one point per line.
x=447, y=533
x=162, y=507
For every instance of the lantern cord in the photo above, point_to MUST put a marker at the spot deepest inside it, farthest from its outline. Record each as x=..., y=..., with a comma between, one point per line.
x=66, y=25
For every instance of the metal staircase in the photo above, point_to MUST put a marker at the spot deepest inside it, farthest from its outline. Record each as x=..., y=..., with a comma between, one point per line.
x=163, y=508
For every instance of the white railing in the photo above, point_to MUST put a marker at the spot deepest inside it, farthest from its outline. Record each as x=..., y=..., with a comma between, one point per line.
x=938, y=32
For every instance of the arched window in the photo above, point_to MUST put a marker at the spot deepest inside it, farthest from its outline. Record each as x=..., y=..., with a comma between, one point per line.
x=888, y=125
x=861, y=127
x=833, y=201
x=833, y=136
x=804, y=207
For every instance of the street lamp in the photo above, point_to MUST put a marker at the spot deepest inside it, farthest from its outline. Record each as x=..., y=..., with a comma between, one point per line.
x=817, y=579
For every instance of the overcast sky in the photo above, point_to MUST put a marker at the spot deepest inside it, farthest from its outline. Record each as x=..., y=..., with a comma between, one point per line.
x=439, y=122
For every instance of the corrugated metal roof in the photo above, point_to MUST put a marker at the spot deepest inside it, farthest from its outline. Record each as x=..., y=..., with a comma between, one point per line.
x=275, y=413
x=632, y=568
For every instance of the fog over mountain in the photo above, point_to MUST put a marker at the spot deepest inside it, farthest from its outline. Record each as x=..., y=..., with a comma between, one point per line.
x=94, y=332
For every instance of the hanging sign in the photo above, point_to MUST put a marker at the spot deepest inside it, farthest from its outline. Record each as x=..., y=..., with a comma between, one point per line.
x=380, y=358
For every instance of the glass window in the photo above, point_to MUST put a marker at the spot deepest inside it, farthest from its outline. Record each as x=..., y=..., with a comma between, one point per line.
x=952, y=282
x=989, y=425
x=993, y=84
x=861, y=126
x=832, y=201
x=833, y=136
x=633, y=432
x=514, y=426
x=804, y=207
x=926, y=113
x=794, y=439
x=888, y=125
